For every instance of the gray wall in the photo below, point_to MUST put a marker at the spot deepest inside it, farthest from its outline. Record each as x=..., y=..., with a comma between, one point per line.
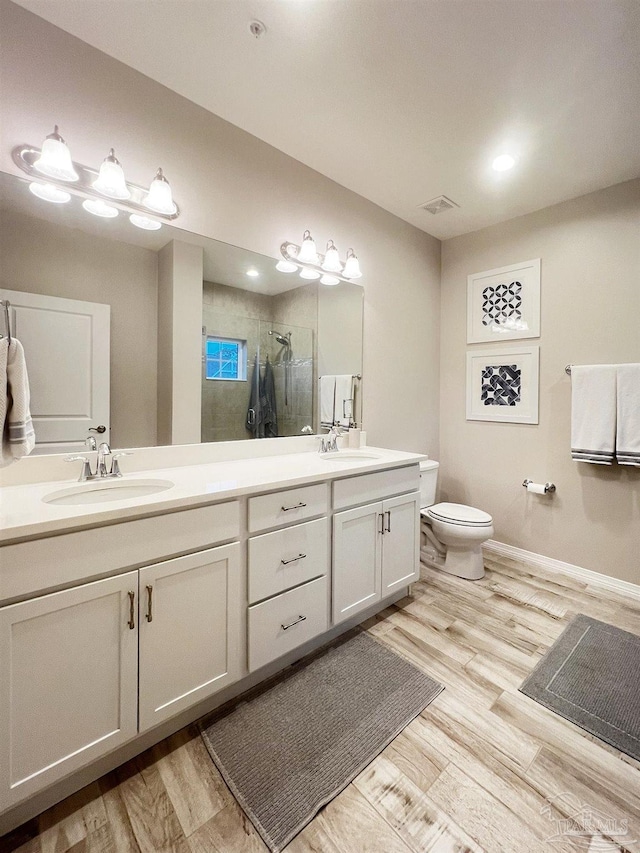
x=237, y=189
x=590, y=291
x=41, y=257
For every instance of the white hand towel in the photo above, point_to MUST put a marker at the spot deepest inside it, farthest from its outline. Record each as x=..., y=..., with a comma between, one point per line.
x=344, y=399
x=628, y=428
x=327, y=400
x=18, y=436
x=593, y=413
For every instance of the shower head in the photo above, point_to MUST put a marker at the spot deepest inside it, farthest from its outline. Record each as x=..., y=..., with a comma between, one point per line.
x=285, y=341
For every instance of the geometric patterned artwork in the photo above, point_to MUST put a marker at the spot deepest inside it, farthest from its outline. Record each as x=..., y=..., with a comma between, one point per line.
x=501, y=302
x=504, y=304
x=501, y=384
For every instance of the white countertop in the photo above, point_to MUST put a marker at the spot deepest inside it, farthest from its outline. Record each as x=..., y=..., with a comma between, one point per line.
x=24, y=513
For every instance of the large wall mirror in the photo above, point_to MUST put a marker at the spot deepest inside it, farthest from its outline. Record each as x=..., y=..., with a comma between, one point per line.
x=84, y=293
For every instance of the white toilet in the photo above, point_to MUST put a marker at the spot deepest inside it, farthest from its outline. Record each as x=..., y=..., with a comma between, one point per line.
x=451, y=535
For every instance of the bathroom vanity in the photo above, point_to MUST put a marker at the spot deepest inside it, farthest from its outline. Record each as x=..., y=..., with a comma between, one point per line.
x=123, y=618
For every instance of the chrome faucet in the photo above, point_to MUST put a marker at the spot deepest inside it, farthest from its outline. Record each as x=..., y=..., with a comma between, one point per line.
x=103, y=450
x=330, y=443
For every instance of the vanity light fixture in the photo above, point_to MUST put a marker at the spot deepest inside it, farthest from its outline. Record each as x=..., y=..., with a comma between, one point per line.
x=55, y=159
x=103, y=192
x=160, y=199
x=100, y=208
x=145, y=222
x=47, y=192
x=328, y=267
x=111, y=180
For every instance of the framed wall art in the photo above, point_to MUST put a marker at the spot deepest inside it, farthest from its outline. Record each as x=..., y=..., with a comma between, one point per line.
x=502, y=385
x=504, y=304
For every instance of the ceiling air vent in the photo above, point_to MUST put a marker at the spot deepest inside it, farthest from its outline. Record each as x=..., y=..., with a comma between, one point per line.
x=438, y=205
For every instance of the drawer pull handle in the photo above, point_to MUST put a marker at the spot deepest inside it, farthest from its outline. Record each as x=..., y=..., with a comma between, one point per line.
x=132, y=599
x=291, y=624
x=293, y=559
x=296, y=506
x=149, y=616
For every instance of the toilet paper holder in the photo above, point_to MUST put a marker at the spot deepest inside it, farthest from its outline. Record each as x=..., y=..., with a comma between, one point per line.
x=549, y=488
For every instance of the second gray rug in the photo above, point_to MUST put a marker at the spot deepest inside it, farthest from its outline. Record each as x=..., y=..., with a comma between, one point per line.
x=590, y=677
x=289, y=750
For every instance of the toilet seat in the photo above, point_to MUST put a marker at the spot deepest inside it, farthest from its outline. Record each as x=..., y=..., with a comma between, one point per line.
x=465, y=516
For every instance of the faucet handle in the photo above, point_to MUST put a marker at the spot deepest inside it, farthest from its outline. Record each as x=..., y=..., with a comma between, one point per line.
x=115, y=465
x=90, y=442
x=86, y=473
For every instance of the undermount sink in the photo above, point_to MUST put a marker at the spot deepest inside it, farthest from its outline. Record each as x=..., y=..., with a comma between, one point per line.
x=110, y=490
x=340, y=455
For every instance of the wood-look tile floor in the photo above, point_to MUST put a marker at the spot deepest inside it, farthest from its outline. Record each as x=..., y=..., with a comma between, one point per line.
x=483, y=768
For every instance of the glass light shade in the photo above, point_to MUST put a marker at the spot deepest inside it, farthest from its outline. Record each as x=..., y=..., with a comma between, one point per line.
x=159, y=197
x=329, y=279
x=55, y=159
x=331, y=261
x=310, y=275
x=145, y=222
x=352, y=266
x=111, y=180
x=308, y=253
x=286, y=266
x=47, y=192
x=100, y=208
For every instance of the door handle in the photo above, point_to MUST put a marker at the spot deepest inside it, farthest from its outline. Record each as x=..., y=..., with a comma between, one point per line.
x=100, y=429
x=132, y=601
x=149, y=616
x=388, y=514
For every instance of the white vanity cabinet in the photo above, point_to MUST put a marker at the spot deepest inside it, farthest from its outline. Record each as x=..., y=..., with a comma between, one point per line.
x=189, y=618
x=68, y=682
x=376, y=546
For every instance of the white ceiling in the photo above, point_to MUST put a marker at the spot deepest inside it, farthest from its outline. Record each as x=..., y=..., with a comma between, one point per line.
x=402, y=100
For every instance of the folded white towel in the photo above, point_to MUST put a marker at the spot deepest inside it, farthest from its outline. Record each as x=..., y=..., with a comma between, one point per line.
x=327, y=400
x=593, y=413
x=628, y=426
x=344, y=399
x=18, y=436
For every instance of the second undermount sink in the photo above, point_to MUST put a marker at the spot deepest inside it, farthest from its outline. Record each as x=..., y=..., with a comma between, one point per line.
x=340, y=455
x=102, y=491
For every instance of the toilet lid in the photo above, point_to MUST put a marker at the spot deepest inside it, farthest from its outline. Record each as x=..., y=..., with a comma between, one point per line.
x=460, y=514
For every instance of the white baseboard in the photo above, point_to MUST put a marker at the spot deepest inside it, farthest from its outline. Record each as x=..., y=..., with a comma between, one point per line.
x=585, y=575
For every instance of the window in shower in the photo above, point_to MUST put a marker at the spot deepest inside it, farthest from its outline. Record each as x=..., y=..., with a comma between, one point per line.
x=225, y=358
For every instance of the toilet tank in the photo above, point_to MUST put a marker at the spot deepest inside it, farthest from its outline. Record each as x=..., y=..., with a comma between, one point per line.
x=428, y=482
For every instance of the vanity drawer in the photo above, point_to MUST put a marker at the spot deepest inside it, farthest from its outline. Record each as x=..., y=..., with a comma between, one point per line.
x=43, y=564
x=287, y=557
x=287, y=507
x=276, y=626
x=367, y=488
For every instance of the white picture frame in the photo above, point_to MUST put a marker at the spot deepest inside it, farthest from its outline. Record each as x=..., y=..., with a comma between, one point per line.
x=503, y=384
x=504, y=304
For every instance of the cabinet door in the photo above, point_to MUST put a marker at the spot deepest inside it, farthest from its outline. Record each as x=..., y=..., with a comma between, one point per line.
x=68, y=682
x=356, y=560
x=400, y=542
x=189, y=631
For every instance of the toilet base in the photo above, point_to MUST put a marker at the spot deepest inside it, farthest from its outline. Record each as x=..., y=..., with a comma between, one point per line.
x=467, y=563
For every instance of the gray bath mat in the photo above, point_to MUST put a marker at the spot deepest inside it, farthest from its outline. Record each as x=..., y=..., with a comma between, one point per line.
x=289, y=750
x=590, y=677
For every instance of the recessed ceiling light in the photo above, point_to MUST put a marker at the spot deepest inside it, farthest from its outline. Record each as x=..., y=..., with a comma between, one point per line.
x=504, y=162
x=253, y=273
